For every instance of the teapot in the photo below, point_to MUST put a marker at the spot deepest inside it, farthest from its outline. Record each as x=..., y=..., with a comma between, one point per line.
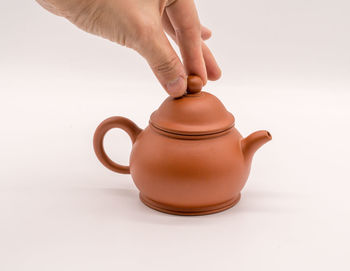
x=190, y=159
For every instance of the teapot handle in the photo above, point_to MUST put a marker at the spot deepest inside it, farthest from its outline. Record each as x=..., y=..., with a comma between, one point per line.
x=114, y=122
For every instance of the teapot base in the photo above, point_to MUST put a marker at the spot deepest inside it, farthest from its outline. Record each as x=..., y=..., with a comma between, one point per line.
x=205, y=210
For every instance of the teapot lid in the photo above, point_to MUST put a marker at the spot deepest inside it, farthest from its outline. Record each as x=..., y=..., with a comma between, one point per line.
x=196, y=113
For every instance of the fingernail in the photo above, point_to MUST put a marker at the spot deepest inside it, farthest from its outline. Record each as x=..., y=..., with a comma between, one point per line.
x=176, y=87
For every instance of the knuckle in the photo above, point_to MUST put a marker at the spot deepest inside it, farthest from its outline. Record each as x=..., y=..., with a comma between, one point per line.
x=166, y=66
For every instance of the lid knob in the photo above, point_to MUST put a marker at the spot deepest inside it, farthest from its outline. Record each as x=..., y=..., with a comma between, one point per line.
x=194, y=84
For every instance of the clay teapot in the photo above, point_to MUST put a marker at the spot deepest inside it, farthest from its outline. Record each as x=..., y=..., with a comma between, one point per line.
x=190, y=159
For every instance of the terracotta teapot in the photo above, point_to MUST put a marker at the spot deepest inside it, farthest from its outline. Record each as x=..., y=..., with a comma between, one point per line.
x=190, y=159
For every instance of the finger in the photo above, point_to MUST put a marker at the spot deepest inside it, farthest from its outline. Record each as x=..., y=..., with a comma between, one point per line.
x=164, y=63
x=205, y=33
x=168, y=27
x=184, y=19
x=212, y=68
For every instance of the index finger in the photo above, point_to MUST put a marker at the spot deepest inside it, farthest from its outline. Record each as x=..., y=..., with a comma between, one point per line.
x=184, y=19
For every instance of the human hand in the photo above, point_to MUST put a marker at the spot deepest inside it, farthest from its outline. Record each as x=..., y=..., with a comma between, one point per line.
x=140, y=25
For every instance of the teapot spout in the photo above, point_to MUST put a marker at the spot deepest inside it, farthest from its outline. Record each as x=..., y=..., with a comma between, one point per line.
x=253, y=142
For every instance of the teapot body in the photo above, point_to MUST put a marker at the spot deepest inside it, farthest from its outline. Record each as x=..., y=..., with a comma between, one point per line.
x=188, y=174
x=190, y=159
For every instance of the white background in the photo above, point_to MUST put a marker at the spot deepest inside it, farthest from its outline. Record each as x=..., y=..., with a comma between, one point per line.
x=286, y=68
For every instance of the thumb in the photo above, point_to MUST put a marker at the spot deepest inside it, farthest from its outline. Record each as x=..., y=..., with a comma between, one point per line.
x=165, y=64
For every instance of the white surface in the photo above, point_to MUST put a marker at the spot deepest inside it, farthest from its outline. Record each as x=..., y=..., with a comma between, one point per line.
x=286, y=69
